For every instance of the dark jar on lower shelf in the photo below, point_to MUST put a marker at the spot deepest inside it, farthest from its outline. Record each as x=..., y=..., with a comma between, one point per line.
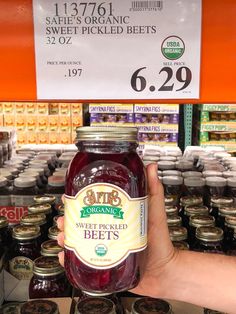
x=209, y=240
x=230, y=225
x=49, y=280
x=93, y=305
x=39, y=306
x=147, y=305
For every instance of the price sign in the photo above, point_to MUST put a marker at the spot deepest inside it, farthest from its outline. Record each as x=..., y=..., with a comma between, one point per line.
x=117, y=49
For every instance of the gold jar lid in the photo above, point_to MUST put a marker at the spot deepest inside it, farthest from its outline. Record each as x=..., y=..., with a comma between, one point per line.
x=53, y=232
x=10, y=308
x=230, y=221
x=22, y=232
x=61, y=209
x=33, y=219
x=50, y=248
x=209, y=234
x=227, y=211
x=93, y=305
x=191, y=210
x=181, y=245
x=191, y=200
x=39, y=306
x=47, y=266
x=55, y=219
x=171, y=210
x=127, y=134
x=178, y=233
x=40, y=208
x=45, y=199
x=218, y=201
x=169, y=200
x=3, y=222
x=174, y=220
x=149, y=305
x=201, y=220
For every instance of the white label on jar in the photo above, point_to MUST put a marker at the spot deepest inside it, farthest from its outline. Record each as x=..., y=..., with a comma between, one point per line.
x=21, y=267
x=22, y=200
x=103, y=225
x=5, y=200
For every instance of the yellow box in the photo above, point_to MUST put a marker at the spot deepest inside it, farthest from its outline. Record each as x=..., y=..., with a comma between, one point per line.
x=31, y=122
x=65, y=123
x=9, y=107
x=53, y=122
x=20, y=122
x=76, y=121
x=77, y=108
x=42, y=108
x=53, y=108
x=54, y=138
x=19, y=107
x=42, y=123
x=1, y=119
x=9, y=120
x=31, y=108
x=43, y=138
x=1, y=107
x=65, y=138
x=64, y=108
x=31, y=138
x=21, y=138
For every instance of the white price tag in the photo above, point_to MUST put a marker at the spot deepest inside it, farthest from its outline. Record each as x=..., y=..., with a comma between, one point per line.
x=117, y=49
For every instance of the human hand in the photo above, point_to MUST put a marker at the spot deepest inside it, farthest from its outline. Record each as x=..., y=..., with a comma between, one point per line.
x=160, y=254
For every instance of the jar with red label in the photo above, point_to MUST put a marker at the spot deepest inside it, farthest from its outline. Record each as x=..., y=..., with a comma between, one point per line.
x=105, y=203
x=49, y=279
x=24, y=250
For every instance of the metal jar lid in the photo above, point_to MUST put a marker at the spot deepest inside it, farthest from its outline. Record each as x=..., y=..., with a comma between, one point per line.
x=56, y=181
x=3, y=222
x=178, y=233
x=53, y=232
x=47, y=266
x=150, y=158
x=25, y=182
x=191, y=210
x=191, y=200
x=231, y=182
x=174, y=220
x=171, y=210
x=227, y=211
x=181, y=245
x=201, y=220
x=168, y=158
x=219, y=201
x=93, y=305
x=212, y=173
x=192, y=174
x=149, y=305
x=209, y=234
x=194, y=182
x=22, y=232
x=167, y=173
x=166, y=165
x=172, y=180
x=50, y=248
x=228, y=174
x=230, y=221
x=39, y=306
x=126, y=134
x=215, y=181
x=3, y=181
x=40, y=208
x=61, y=209
x=56, y=217
x=45, y=199
x=169, y=200
x=33, y=219
x=10, y=308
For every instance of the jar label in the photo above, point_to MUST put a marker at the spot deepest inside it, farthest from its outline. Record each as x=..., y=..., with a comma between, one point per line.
x=21, y=267
x=103, y=225
x=22, y=200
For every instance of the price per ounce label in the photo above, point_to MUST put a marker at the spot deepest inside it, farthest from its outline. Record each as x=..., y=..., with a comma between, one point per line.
x=117, y=49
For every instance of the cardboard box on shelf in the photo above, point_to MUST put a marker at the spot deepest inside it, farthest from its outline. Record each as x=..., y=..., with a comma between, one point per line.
x=64, y=108
x=32, y=137
x=31, y=108
x=156, y=108
x=53, y=108
x=31, y=122
x=19, y=107
x=43, y=138
x=42, y=123
x=20, y=122
x=1, y=107
x=1, y=120
x=76, y=108
x=218, y=107
x=156, y=118
x=8, y=107
x=64, y=138
x=114, y=119
x=53, y=138
x=53, y=123
x=21, y=138
x=64, y=123
x=218, y=126
x=9, y=120
x=42, y=108
x=76, y=121
x=111, y=108
x=157, y=128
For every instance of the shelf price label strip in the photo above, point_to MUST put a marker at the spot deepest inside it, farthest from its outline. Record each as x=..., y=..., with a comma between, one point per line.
x=113, y=49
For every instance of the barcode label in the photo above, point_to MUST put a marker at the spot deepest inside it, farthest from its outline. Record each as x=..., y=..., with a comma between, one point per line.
x=147, y=5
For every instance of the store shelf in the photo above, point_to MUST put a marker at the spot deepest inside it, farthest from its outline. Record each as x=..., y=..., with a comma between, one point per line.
x=18, y=82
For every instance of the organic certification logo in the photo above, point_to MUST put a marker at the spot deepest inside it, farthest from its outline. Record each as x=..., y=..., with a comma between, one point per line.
x=172, y=47
x=101, y=250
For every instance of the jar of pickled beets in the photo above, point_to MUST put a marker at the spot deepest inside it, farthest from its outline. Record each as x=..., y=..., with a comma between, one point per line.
x=105, y=211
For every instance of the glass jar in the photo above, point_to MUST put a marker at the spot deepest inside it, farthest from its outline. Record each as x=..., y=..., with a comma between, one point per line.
x=209, y=240
x=5, y=234
x=149, y=159
x=36, y=220
x=93, y=305
x=173, y=187
x=181, y=245
x=184, y=165
x=53, y=232
x=49, y=280
x=24, y=191
x=217, y=202
x=223, y=212
x=211, y=173
x=41, y=173
x=25, y=248
x=47, y=199
x=168, y=158
x=199, y=220
x=230, y=226
x=174, y=220
x=228, y=174
x=171, y=173
x=56, y=187
x=215, y=186
x=105, y=177
x=178, y=233
x=42, y=209
x=148, y=305
x=169, y=200
x=166, y=165
x=231, y=188
x=34, y=174
x=10, y=308
x=39, y=306
x=191, y=210
x=193, y=200
x=171, y=211
x=5, y=197
x=50, y=248
x=194, y=186
x=192, y=174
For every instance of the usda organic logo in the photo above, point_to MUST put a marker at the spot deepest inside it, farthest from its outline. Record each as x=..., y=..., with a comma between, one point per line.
x=172, y=47
x=101, y=250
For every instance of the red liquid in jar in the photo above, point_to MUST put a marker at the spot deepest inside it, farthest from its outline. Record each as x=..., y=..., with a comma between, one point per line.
x=118, y=165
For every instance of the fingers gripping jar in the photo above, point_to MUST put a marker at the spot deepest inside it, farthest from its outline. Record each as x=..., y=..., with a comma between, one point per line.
x=105, y=211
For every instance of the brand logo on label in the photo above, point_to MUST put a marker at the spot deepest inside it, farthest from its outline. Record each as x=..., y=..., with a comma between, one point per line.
x=12, y=213
x=105, y=199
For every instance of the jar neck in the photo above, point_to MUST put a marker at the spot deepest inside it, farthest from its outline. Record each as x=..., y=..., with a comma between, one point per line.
x=114, y=147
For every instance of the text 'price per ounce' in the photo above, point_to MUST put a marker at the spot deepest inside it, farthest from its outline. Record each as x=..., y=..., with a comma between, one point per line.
x=168, y=80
